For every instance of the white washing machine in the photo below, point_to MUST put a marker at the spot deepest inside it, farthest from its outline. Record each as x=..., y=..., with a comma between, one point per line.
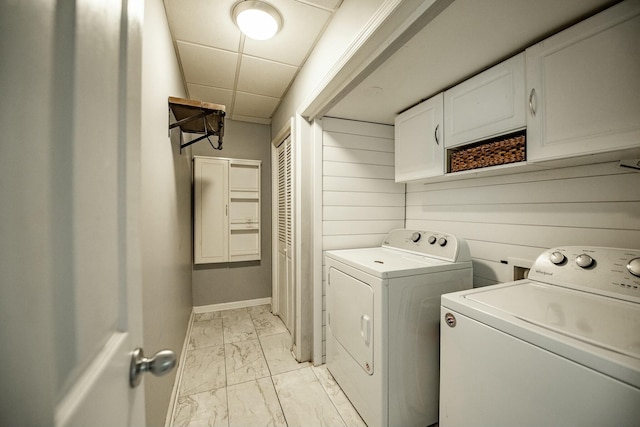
x=383, y=307
x=560, y=348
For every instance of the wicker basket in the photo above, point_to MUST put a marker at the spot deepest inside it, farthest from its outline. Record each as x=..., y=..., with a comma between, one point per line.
x=502, y=152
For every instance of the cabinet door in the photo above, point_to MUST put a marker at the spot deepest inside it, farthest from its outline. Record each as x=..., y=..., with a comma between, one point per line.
x=244, y=210
x=211, y=225
x=489, y=104
x=244, y=176
x=419, y=149
x=584, y=88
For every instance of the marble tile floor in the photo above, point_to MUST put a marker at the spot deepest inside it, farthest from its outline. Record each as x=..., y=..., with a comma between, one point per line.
x=239, y=371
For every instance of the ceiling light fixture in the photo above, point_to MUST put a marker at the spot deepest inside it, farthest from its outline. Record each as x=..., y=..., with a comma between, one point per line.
x=257, y=19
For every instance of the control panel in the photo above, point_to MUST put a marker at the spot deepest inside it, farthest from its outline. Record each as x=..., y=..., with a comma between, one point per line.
x=431, y=243
x=601, y=270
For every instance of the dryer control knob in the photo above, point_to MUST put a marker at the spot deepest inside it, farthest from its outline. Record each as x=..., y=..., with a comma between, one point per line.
x=584, y=261
x=432, y=239
x=415, y=237
x=442, y=241
x=634, y=267
x=557, y=258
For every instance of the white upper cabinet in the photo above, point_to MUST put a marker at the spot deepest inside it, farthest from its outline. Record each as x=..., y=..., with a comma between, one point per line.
x=583, y=87
x=419, y=145
x=226, y=210
x=211, y=225
x=487, y=105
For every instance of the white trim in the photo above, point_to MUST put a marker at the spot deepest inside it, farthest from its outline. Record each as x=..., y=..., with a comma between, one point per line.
x=282, y=133
x=296, y=230
x=231, y=305
x=317, y=130
x=384, y=11
x=275, y=306
x=173, y=400
x=392, y=25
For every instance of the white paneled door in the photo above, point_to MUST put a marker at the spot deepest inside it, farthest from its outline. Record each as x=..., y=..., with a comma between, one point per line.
x=70, y=269
x=284, y=273
x=100, y=325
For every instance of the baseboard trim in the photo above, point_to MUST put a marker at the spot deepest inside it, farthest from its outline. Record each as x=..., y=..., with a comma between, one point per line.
x=231, y=305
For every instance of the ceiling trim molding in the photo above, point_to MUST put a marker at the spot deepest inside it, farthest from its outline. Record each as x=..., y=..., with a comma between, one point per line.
x=393, y=24
x=282, y=133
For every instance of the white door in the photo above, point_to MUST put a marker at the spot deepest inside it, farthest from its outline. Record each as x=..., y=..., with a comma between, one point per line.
x=70, y=270
x=211, y=210
x=284, y=275
x=350, y=316
x=583, y=87
x=419, y=145
x=486, y=105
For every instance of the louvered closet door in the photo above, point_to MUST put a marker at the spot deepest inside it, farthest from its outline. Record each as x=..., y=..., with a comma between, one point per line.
x=285, y=263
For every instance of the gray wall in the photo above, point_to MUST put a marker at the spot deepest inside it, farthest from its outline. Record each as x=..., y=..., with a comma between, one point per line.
x=165, y=212
x=239, y=281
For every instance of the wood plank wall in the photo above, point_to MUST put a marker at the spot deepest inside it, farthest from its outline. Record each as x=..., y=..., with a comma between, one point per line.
x=361, y=202
x=520, y=215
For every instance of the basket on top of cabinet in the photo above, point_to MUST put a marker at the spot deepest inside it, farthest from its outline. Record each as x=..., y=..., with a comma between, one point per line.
x=495, y=152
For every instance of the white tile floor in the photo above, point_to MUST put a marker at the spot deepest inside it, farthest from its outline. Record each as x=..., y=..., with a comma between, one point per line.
x=239, y=371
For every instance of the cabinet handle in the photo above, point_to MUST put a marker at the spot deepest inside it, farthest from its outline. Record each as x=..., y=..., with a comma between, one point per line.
x=532, y=95
x=226, y=210
x=435, y=134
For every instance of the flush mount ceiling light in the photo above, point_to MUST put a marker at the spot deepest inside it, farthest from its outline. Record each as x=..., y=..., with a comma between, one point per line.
x=256, y=19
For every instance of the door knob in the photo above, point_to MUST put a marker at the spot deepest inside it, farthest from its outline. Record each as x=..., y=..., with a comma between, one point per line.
x=161, y=363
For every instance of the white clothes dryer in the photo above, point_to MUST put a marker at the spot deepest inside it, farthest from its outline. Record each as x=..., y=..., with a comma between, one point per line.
x=560, y=348
x=383, y=306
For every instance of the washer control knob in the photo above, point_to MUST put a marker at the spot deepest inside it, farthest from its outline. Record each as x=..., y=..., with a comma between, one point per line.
x=442, y=241
x=415, y=237
x=634, y=267
x=432, y=240
x=557, y=258
x=584, y=261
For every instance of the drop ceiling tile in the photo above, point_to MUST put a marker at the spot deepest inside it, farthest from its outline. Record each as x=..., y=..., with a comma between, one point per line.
x=211, y=94
x=208, y=66
x=248, y=104
x=206, y=22
x=327, y=4
x=302, y=25
x=264, y=77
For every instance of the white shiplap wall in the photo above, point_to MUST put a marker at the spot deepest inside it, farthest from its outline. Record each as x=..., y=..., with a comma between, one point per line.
x=361, y=202
x=520, y=215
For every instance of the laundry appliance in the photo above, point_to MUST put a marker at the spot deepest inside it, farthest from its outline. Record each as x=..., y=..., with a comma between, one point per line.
x=383, y=306
x=559, y=348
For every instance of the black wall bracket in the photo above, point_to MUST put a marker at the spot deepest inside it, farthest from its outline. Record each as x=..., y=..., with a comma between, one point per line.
x=197, y=117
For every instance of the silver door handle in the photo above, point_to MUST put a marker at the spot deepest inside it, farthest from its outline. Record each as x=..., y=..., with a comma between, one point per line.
x=435, y=134
x=161, y=363
x=532, y=95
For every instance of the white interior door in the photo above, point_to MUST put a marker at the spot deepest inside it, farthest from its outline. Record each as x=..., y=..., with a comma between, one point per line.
x=76, y=188
x=99, y=312
x=284, y=275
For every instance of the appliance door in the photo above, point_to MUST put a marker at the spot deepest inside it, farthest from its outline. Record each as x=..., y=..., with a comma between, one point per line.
x=351, y=317
x=488, y=377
